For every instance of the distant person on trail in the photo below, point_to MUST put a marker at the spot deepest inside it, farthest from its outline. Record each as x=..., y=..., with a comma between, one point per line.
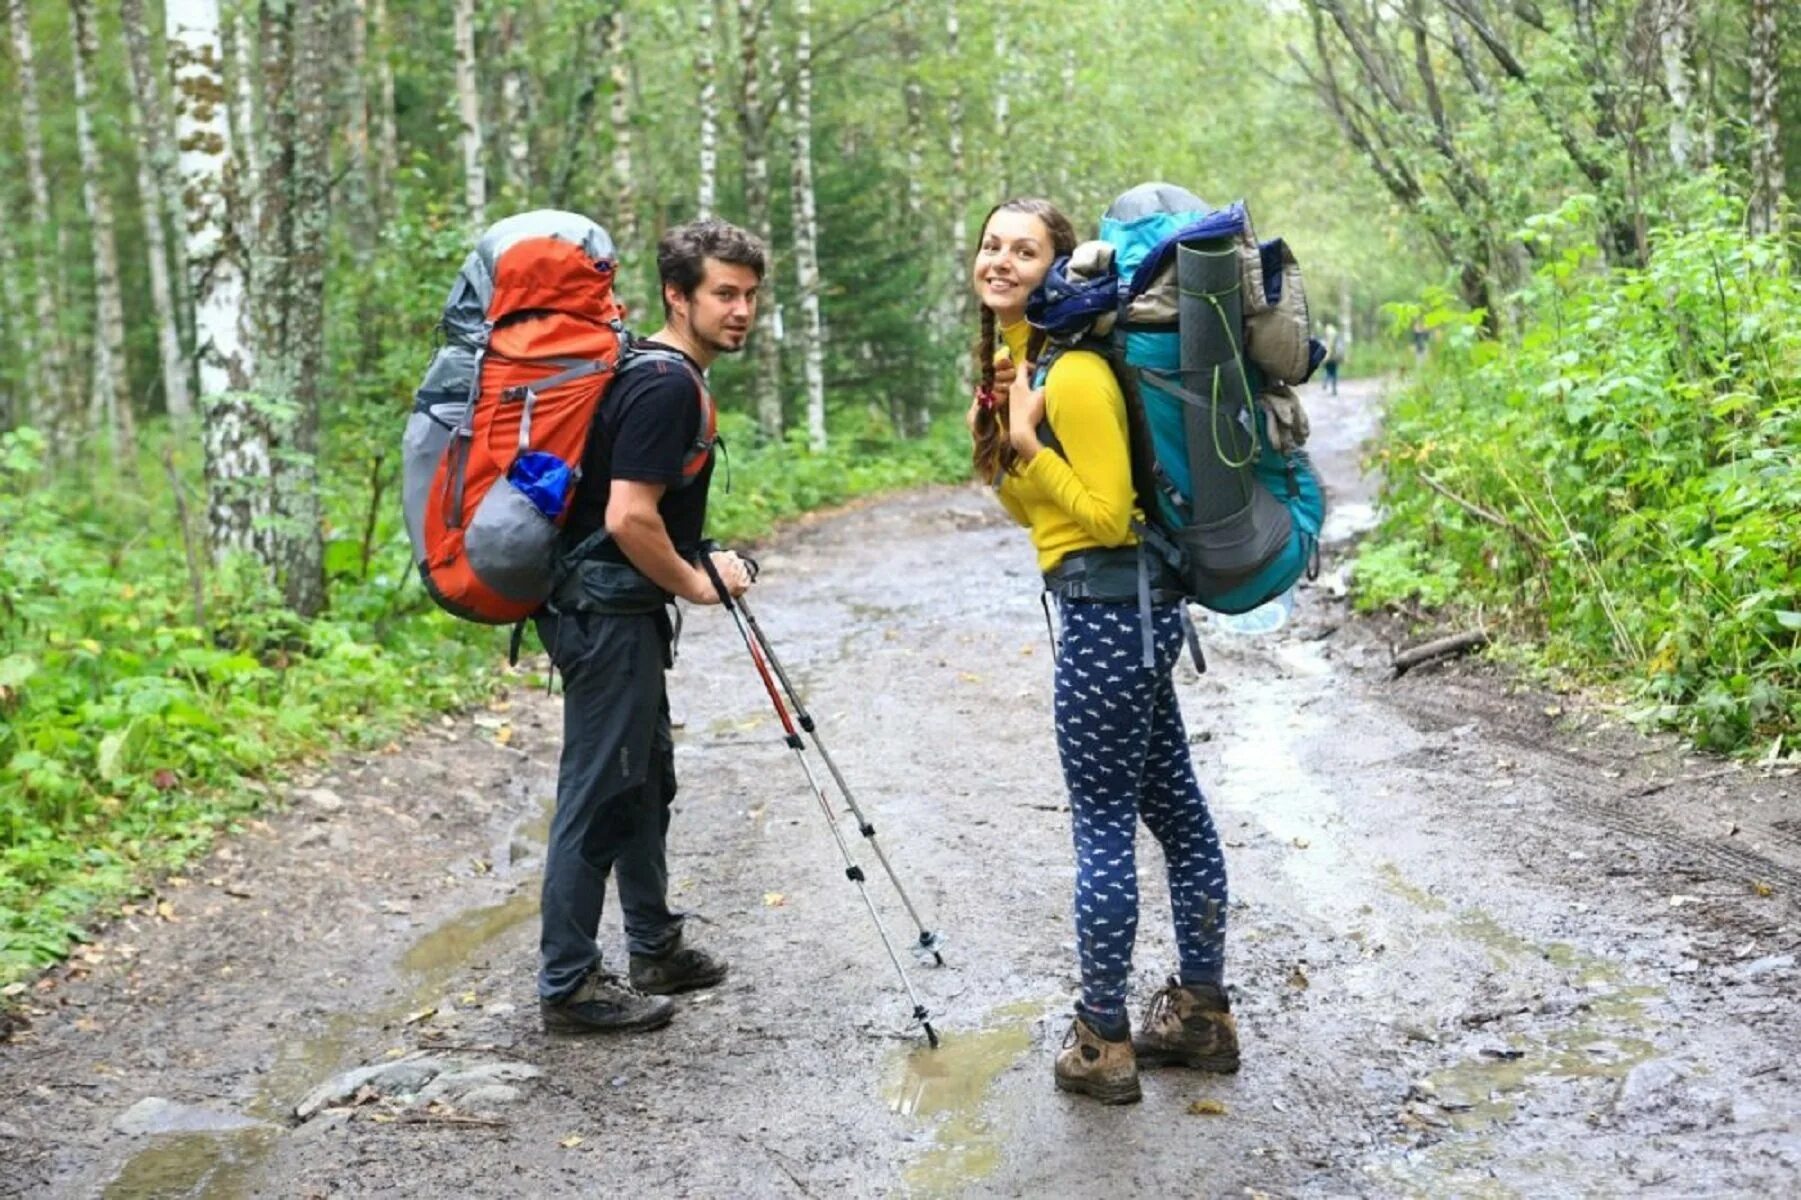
x=1120, y=736
x=636, y=526
x=1338, y=346
x=1421, y=338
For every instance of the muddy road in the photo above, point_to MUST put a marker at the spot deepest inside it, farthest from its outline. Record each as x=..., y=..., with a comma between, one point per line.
x=1484, y=940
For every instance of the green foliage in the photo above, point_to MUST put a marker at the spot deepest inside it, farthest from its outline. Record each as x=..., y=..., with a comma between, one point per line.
x=1620, y=478
x=129, y=731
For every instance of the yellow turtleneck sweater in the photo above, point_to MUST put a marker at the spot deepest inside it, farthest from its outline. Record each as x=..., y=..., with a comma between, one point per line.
x=1080, y=499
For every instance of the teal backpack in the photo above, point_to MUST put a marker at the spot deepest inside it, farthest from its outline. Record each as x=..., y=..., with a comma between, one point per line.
x=1213, y=328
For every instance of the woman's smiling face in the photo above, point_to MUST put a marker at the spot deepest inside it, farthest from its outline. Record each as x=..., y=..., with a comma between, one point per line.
x=1013, y=258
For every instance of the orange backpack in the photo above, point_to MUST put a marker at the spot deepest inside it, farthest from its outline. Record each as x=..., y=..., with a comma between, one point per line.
x=493, y=449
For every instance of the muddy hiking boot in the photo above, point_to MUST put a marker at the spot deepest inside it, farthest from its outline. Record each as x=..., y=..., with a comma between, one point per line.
x=1189, y=1027
x=1093, y=1066
x=681, y=968
x=605, y=1003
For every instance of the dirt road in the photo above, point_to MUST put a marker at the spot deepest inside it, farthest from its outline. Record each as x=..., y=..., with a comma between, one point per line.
x=1484, y=941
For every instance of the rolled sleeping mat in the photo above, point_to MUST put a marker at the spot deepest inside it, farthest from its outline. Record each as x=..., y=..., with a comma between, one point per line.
x=1238, y=526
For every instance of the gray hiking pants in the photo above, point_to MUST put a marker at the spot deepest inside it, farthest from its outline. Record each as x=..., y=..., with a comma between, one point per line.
x=614, y=787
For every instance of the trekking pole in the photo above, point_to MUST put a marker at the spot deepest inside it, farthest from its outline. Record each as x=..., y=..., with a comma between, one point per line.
x=929, y=942
x=852, y=871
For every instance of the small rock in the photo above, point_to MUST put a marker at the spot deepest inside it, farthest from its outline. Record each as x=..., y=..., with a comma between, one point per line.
x=154, y=1114
x=457, y=1083
x=10, y=1131
x=323, y=800
x=1759, y=968
x=390, y=1079
x=491, y=1096
x=1646, y=1086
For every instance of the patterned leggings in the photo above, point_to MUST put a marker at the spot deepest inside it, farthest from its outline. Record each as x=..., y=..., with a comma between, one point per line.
x=1125, y=755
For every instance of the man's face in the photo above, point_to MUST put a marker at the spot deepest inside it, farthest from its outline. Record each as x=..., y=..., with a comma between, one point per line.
x=723, y=307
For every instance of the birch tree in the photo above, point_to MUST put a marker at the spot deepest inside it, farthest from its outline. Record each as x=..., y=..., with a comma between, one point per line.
x=387, y=137
x=288, y=284
x=50, y=380
x=515, y=117
x=619, y=117
x=15, y=331
x=806, y=226
x=155, y=188
x=1766, y=107
x=235, y=435
x=359, y=183
x=753, y=126
x=706, y=71
x=1003, y=109
x=1676, y=45
x=109, y=406
x=246, y=117
x=957, y=312
x=469, y=114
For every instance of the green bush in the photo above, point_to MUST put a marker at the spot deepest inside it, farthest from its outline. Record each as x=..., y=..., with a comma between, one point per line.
x=1619, y=479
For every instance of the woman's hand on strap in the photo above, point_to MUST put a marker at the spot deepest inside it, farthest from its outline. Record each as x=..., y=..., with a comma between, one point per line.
x=1025, y=408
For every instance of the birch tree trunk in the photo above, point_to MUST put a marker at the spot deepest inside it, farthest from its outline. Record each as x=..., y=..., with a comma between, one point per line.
x=806, y=227
x=16, y=331
x=387, y=140
x=287, y=284
x=619, y=116
x=753, y=124
x=110, y=403
x=957, y=312
x=358, y=175
x=155, y=183
x=234, y=434
x=1766, y=107
x=1003, y=124
x=469, y=113
x=247, y=124
x=707, y=71
x=1676, y=38
x=50, y=381
x=515, y=120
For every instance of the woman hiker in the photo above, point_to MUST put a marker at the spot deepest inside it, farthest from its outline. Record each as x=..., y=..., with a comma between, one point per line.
x=1119, y=730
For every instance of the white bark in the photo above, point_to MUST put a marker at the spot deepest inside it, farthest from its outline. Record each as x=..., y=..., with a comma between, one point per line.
x=1003, y=125
x=619, y=117
x=806, y=227
x=50, y=381
x=236, y=442
x=515, y=120
x=387, y=139
x=15, y=331
x=957, y=313
x=704, y=67
x=359, y=183
x=246, y=122
x=753, y=123
x=475, y=174
x=1766, y=107
x=155, y=183
x=110, y=402
x=1676, y=37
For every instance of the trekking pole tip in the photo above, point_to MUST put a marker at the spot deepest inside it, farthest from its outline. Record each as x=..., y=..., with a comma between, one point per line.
x=931, y=1034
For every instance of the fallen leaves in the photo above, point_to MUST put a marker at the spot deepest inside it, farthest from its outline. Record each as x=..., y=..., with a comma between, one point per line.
x=1207, y=1108
x=774, y=900
x=570, y=1142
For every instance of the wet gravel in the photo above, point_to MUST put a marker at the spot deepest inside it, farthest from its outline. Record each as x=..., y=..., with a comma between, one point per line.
x=1485, y=940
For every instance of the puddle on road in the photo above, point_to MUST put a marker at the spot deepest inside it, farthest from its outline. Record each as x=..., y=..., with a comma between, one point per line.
x=227, y=1166
x=952, y=1085
x=194, y=1166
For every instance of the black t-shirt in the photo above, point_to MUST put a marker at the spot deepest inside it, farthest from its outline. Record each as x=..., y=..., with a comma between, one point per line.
x=644, y=431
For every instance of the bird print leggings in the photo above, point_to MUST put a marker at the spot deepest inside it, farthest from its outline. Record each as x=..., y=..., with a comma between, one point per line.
x=1125, y=756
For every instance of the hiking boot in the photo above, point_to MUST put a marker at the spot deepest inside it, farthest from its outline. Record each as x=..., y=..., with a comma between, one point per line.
x=605, y=1003
x=1093, y=1066
x=1189, y=1027
x=681, y=968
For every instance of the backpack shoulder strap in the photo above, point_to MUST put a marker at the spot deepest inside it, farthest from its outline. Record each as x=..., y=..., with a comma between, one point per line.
x=637, y=354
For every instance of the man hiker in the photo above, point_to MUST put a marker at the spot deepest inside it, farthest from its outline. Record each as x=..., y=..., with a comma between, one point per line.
x=635, y=524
